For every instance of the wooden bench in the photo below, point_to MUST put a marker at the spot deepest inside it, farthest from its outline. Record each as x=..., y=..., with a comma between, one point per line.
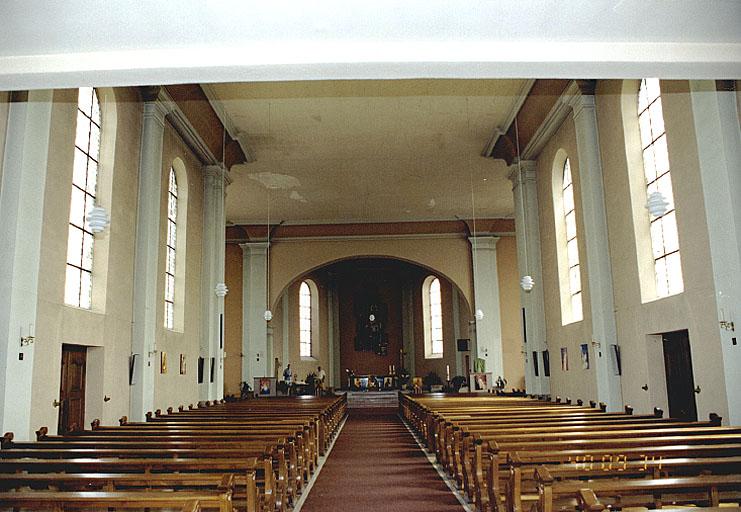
x=652, y=493
x=59, y=501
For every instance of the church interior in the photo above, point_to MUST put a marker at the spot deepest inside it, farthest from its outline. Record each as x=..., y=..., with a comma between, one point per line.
x=331, y=270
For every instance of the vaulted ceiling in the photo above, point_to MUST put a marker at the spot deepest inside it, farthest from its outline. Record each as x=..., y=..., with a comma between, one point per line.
x=368, y=150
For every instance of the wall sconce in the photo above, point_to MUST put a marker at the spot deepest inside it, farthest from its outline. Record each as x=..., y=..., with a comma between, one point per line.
x=29, y=338
x=595, y=344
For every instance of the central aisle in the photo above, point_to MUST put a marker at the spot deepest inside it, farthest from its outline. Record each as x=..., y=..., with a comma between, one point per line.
x=376, y=465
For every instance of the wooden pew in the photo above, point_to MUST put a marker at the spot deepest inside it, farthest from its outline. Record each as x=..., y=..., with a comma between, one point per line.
x=652, y=493
x=152, y=500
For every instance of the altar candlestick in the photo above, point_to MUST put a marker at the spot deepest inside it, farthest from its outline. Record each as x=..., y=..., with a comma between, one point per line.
x=447, y=372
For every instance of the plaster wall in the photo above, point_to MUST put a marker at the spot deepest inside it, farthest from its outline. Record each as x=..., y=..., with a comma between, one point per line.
x=639, y=321
x=233, y=320
x=173, y=388
x=106, y=328
x=443, y=256
x=575, y=382
x=289, y=260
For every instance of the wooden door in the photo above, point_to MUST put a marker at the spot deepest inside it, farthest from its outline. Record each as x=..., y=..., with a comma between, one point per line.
x=680, y=384
x=72, y=389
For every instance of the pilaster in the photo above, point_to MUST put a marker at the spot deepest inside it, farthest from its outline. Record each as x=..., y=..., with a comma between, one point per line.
x=21, y=209
x=255, y=361
x=599, y=274
x=717, y=132
x=212, y=273
x=486, y=298
x=146, y=262
x=524, y=189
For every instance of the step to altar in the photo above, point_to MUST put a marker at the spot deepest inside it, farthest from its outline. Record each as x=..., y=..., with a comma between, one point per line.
x=371, y=399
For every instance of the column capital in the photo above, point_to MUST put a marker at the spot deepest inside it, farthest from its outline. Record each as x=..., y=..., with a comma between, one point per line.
x=155, y=110
x=218, y=172
x=484, y=242
x=579, y=95
x=521, y=171
x=255, y=248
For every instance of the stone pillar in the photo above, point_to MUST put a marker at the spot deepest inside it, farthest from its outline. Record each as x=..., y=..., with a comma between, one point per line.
x=21, y=210
x=486, y=298
x=255, y=362
x=525, y=192
x=599, y=275
x=212, y=273
x=146, y=263
x=717, y=130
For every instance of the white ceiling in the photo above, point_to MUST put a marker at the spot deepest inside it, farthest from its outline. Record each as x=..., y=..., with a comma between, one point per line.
x=127, y=42
x=368, y=151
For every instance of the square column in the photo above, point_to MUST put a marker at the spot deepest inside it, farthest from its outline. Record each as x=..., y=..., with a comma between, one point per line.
x=599, y=275
x=214, y=247
x=525, y=193
x=21, y=210
x=718, y=136
x=255, y=357
x=146, y=262
x=486, y=297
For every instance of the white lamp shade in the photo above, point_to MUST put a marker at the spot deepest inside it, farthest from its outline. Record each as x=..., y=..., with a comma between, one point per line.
x=657, y=204
x=479, y=314
x=98, y=219
x=268, y=315
x=527, y=283
x=221, y=290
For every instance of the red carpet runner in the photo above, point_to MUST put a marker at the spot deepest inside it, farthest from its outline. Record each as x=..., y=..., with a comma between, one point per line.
x=377, y=466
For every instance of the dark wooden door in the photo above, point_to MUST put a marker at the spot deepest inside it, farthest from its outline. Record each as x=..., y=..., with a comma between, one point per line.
x=72, y=389
x=680, y=384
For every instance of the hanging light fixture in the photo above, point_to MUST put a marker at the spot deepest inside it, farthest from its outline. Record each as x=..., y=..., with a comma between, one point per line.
x=479, y=313
x=268, y=315
x=221, y=290
x=526, y=282
x=657, y=204
x=98, y=220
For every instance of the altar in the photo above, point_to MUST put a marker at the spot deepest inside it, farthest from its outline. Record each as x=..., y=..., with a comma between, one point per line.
x=370, y=382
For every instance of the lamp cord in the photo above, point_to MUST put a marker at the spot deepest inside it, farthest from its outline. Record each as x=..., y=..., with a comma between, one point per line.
x=521, y=186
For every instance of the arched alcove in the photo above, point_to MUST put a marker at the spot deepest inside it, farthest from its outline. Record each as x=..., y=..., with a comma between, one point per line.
x=370, y=318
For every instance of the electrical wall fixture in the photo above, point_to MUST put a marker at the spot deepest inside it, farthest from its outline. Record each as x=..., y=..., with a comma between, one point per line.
x=221, y=290
x=29, y=338
x=98, y=220
x=479, y=314
x=657, y=204
x=725, y=323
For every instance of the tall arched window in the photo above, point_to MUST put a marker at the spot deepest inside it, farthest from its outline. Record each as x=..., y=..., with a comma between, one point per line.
x=433, y=317
x=78, y=282
x=305, y=320
x=171, y=246
x=664, y=237
x=572, y=244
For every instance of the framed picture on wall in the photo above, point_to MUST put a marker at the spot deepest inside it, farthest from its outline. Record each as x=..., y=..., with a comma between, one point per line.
x=584, y=356
x=564, y=359
x=615, y=355
x=546, y=364
x=163, y=362
x=182, y=364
